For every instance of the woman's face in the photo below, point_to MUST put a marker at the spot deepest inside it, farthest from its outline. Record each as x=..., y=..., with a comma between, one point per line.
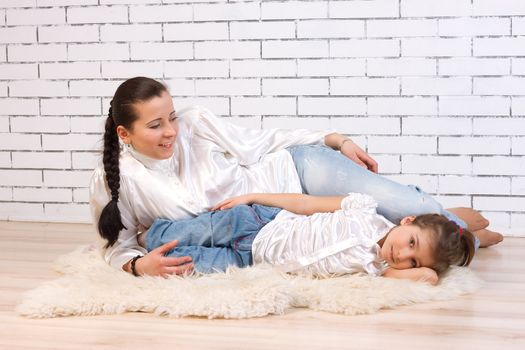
x=155, y=130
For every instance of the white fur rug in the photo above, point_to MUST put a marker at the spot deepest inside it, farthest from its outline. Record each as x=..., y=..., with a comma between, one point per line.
x=88, y=286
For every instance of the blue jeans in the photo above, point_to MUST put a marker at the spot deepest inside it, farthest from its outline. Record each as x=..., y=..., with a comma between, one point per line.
x=214, y=240
x=326, y=172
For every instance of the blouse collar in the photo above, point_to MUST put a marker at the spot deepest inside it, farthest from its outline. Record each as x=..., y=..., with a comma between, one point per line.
x=162, y=165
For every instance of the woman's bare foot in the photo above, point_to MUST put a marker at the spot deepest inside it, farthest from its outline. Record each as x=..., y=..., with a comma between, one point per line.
x=474, y=220
x=487, y=237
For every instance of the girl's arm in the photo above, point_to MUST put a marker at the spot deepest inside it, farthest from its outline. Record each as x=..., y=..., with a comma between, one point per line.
x=297, y=203
x=421, y=274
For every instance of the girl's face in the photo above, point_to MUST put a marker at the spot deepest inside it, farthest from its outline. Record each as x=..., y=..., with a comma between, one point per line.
x=407, y=246
x=155, y=130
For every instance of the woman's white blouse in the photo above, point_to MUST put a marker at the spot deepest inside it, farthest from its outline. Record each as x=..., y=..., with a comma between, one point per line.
x=326, y=244
x=212, y=161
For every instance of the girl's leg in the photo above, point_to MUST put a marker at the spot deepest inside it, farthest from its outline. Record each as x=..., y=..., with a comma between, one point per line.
x=323, y=171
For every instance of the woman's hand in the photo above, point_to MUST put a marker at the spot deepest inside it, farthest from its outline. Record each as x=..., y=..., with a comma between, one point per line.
x=155, y=263
x=234, y=201
x=358, y=155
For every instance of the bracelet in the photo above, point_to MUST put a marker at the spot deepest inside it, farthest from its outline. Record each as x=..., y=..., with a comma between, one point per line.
x=133, y=262
x=342, y=143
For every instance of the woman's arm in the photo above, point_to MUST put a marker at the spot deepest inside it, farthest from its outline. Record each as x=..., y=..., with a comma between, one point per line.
x=302, y=204
x=421, y=274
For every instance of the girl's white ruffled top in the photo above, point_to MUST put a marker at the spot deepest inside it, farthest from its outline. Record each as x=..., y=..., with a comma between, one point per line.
x=326, y=244
x=213, y=160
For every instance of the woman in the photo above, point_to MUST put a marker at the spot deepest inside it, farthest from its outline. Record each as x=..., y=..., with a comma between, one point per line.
x=176, y=166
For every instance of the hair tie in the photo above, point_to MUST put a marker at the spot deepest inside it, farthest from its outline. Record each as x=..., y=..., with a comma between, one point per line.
x=460, y=231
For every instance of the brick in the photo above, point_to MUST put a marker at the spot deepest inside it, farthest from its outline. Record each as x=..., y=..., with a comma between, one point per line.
x=263, y=68
x=73, y=142
x=366, y=125
x=18, y=106
x=474, y=66
x=5, y=160
x=330, y=29
x=364, y=48
x=517, y=221
x=66, y=178
x=80, y=195
x=331, y=67
x=518, y=26
x=36, y=16
x=219, y=105
x=498, y=220
x=128, y=2
x=499, y=46
x=196, y=31
x=499, y=86
x=518, y=106
x=41, y=160
x=97, y=14
x=402, y=106
x=435, y=47
x=226, y=12
x=17, y=35
x=332, y=106
x=474, y=105
x=499, y=203
x=6, y=194
x=518, y=66
x=2, y=17
x=4, y=124
x=38, y=88
x=86, y=160
x=247, y=122
x=69, y=34
x=436, y=86
x=427, y=183
x=401, y=67
x=40, y=124
x=294, y=10
x=436, y=164
x=22, y=211
x=131, y=32
x=98, y=52
x=3, y=89
x=388, y=164
x=499, y=8
x=77, y=213
x=124, y=70
x=227, y=87
x=15, y=177
x=93, y=87
x=32, y=194
x=474, y=26
x=435, y=8
x=293, y=123
x=402, y=144
x=3, y=53
x=262, y=30
x=436, y=126
x=37, y=53
x=72, y=70
x=181, y=87
x=364, y=9
x=161, y=51
x=451, y=201
x=231, y=49
x=402, y=28
x=293, y=87
x=474, y=145
x=196, y=69
x=15, y=71
x=499, y=165
x=518, y=186
x=518, y=146
x=499, y=126
x=18, y=3
x=71, y=106
x=66, y=2
x=294, y=48
x=263, y=105
x=474, y=185
x=161, y=14
x=16, y=141
x=87, y=124
x=364, y=86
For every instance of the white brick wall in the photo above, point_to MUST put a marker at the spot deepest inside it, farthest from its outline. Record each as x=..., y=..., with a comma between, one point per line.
x=433, y=89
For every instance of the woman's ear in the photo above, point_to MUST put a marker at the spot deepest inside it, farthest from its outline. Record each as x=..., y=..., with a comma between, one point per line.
x=124, y=135
x=407, y=220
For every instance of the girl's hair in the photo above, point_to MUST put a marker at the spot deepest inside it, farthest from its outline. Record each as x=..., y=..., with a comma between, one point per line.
x=121, y=112
x=453, y=245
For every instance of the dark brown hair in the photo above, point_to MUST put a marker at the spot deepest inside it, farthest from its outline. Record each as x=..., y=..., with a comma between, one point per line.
x=121, y=112
x=452, y=245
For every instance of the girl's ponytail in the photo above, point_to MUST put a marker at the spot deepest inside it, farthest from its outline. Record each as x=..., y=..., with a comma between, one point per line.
x=110, y=222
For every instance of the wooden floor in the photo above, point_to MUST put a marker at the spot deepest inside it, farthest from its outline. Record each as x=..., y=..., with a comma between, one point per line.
x=493, y=318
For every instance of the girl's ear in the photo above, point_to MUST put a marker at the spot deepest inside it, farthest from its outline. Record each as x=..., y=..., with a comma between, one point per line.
x=124, y=135
x=407, y=220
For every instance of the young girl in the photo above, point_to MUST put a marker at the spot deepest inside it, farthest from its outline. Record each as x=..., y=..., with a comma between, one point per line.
x=322, y=236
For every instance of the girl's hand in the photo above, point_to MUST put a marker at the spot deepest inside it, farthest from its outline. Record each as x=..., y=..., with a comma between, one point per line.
x=155, y=263
x=428, y=275
x=232, y=202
